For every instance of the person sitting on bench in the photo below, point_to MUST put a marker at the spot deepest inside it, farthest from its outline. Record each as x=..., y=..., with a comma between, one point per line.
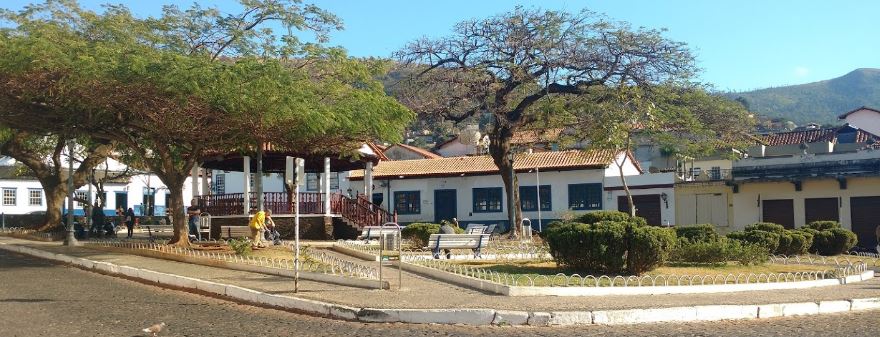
x=447, y=229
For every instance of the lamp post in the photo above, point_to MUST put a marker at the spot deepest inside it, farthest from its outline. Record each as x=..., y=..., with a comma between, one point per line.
x=70, y=240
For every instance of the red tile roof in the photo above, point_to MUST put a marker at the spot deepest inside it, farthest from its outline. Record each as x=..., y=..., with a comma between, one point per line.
x=419, y=151
x=480, y=165
x=814, y=135
x=378, y=150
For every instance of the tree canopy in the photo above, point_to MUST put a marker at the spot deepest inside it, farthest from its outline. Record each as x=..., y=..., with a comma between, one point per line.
x=510, y=65
x=116, y=77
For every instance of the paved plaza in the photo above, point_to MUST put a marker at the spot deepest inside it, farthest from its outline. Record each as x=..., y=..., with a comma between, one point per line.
x=80, y=303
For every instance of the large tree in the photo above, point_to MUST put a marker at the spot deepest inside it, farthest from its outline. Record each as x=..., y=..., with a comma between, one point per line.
x=508, y=64
x=682, y=120
x=131, y=82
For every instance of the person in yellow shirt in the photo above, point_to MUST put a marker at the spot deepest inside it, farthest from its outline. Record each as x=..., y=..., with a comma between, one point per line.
x=258, y=225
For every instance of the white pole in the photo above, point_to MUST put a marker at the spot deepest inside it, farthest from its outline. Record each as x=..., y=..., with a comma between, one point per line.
x=247, y=185
x=538, y=179
x=368, y=181
x=300, y=170
x=326, y=186
x=194, y=173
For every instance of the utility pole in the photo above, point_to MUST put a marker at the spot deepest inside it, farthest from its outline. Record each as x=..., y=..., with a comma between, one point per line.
x=70, y=240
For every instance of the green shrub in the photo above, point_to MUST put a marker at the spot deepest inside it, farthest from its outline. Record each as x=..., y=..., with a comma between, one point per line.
x=828, y=238
x=595, y=247
x=823, y=225
x=701, y=252
x=720, y=252
x=799, y=244
x=765, y=226
x=697, y=233
x=649, y=247
x=419, y=233
x=241, y=246
x=614, y=216
x=833, y=241
x=747, y=254
x=768, y=240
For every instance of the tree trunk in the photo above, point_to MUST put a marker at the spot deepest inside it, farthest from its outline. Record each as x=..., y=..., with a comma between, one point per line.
x=180, y=218
x=499, y=149
x=54, y=203
x=629, y=197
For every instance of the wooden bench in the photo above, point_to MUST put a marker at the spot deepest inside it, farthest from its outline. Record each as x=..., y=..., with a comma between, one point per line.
x=474, y=242
x=476, y=228
x=231, y=232
x=374, y=232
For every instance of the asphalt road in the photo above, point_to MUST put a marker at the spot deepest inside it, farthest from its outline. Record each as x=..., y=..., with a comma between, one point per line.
x=38, y=298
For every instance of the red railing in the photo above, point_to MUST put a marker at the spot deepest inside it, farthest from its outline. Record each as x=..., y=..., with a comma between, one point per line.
x=359, y=210
x=277, y=202
x=363, y=212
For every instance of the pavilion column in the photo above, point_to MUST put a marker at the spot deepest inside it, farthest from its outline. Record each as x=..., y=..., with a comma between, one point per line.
x=258, y=181
x=206, y=185
x=326, y=186
x=195, y=181
x=368, y=181
x=247, y=185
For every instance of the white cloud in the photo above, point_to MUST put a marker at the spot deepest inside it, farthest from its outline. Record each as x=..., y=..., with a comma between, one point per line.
x=801, y=71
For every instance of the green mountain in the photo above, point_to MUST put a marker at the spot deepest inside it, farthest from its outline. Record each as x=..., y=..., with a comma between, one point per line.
x=820, y=102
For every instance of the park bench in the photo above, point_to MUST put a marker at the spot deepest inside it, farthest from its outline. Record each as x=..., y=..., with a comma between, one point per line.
x=374, y=232
x=474, y=242
x=475, y=228
x=231, y=232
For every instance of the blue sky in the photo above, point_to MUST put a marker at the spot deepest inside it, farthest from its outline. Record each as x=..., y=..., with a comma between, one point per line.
x=740, y=45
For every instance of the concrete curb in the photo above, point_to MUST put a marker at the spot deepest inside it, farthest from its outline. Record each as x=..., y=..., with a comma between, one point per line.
x=462, y=316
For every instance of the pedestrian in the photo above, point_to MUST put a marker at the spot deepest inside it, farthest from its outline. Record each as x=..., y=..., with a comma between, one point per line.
x=98, y=219
x=193, y=211
x=877, y=234
x=129, y=221
x=446, y=228
x=257, y=225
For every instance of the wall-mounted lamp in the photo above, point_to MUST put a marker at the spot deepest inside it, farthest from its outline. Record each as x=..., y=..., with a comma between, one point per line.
x=665, y=197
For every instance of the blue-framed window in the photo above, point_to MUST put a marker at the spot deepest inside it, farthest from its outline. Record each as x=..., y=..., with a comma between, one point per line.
x=408, y=202
x=488, y=200
x=585, y=196
x=528, y=198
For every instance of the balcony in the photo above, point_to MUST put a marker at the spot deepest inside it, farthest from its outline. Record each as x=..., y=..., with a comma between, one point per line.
x=715, y=175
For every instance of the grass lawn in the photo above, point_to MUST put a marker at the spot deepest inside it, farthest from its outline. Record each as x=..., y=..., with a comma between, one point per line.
x=535, y=269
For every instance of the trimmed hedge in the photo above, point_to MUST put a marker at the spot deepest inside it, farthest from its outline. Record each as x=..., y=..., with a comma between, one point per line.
x=609, y=246
x=614, y=216
x=419, y=233
x=697, y=233
x=589, y=247
x=829, y=238
x=719, y=252
x=649, y=247
x=776, y=238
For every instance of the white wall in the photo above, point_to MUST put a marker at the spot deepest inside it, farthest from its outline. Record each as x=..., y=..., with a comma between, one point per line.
x=866, y=120
x=456, y=149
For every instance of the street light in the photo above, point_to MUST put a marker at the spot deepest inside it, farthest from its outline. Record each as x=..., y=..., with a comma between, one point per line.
x=70, y=240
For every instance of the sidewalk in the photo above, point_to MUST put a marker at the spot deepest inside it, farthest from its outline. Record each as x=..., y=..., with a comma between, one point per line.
x=421, y=293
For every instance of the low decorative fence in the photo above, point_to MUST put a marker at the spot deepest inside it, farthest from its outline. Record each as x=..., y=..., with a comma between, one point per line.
x=33, y=234
x=827, y=268
x=312, y=262
x=497, y=250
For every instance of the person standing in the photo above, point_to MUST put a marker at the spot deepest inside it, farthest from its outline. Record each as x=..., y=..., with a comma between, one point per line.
x=193, y=211
x=257, y=225
x=129, y=221
x=98, y=219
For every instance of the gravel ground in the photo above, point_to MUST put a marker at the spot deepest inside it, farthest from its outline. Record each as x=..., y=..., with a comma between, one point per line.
x=38, y=298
